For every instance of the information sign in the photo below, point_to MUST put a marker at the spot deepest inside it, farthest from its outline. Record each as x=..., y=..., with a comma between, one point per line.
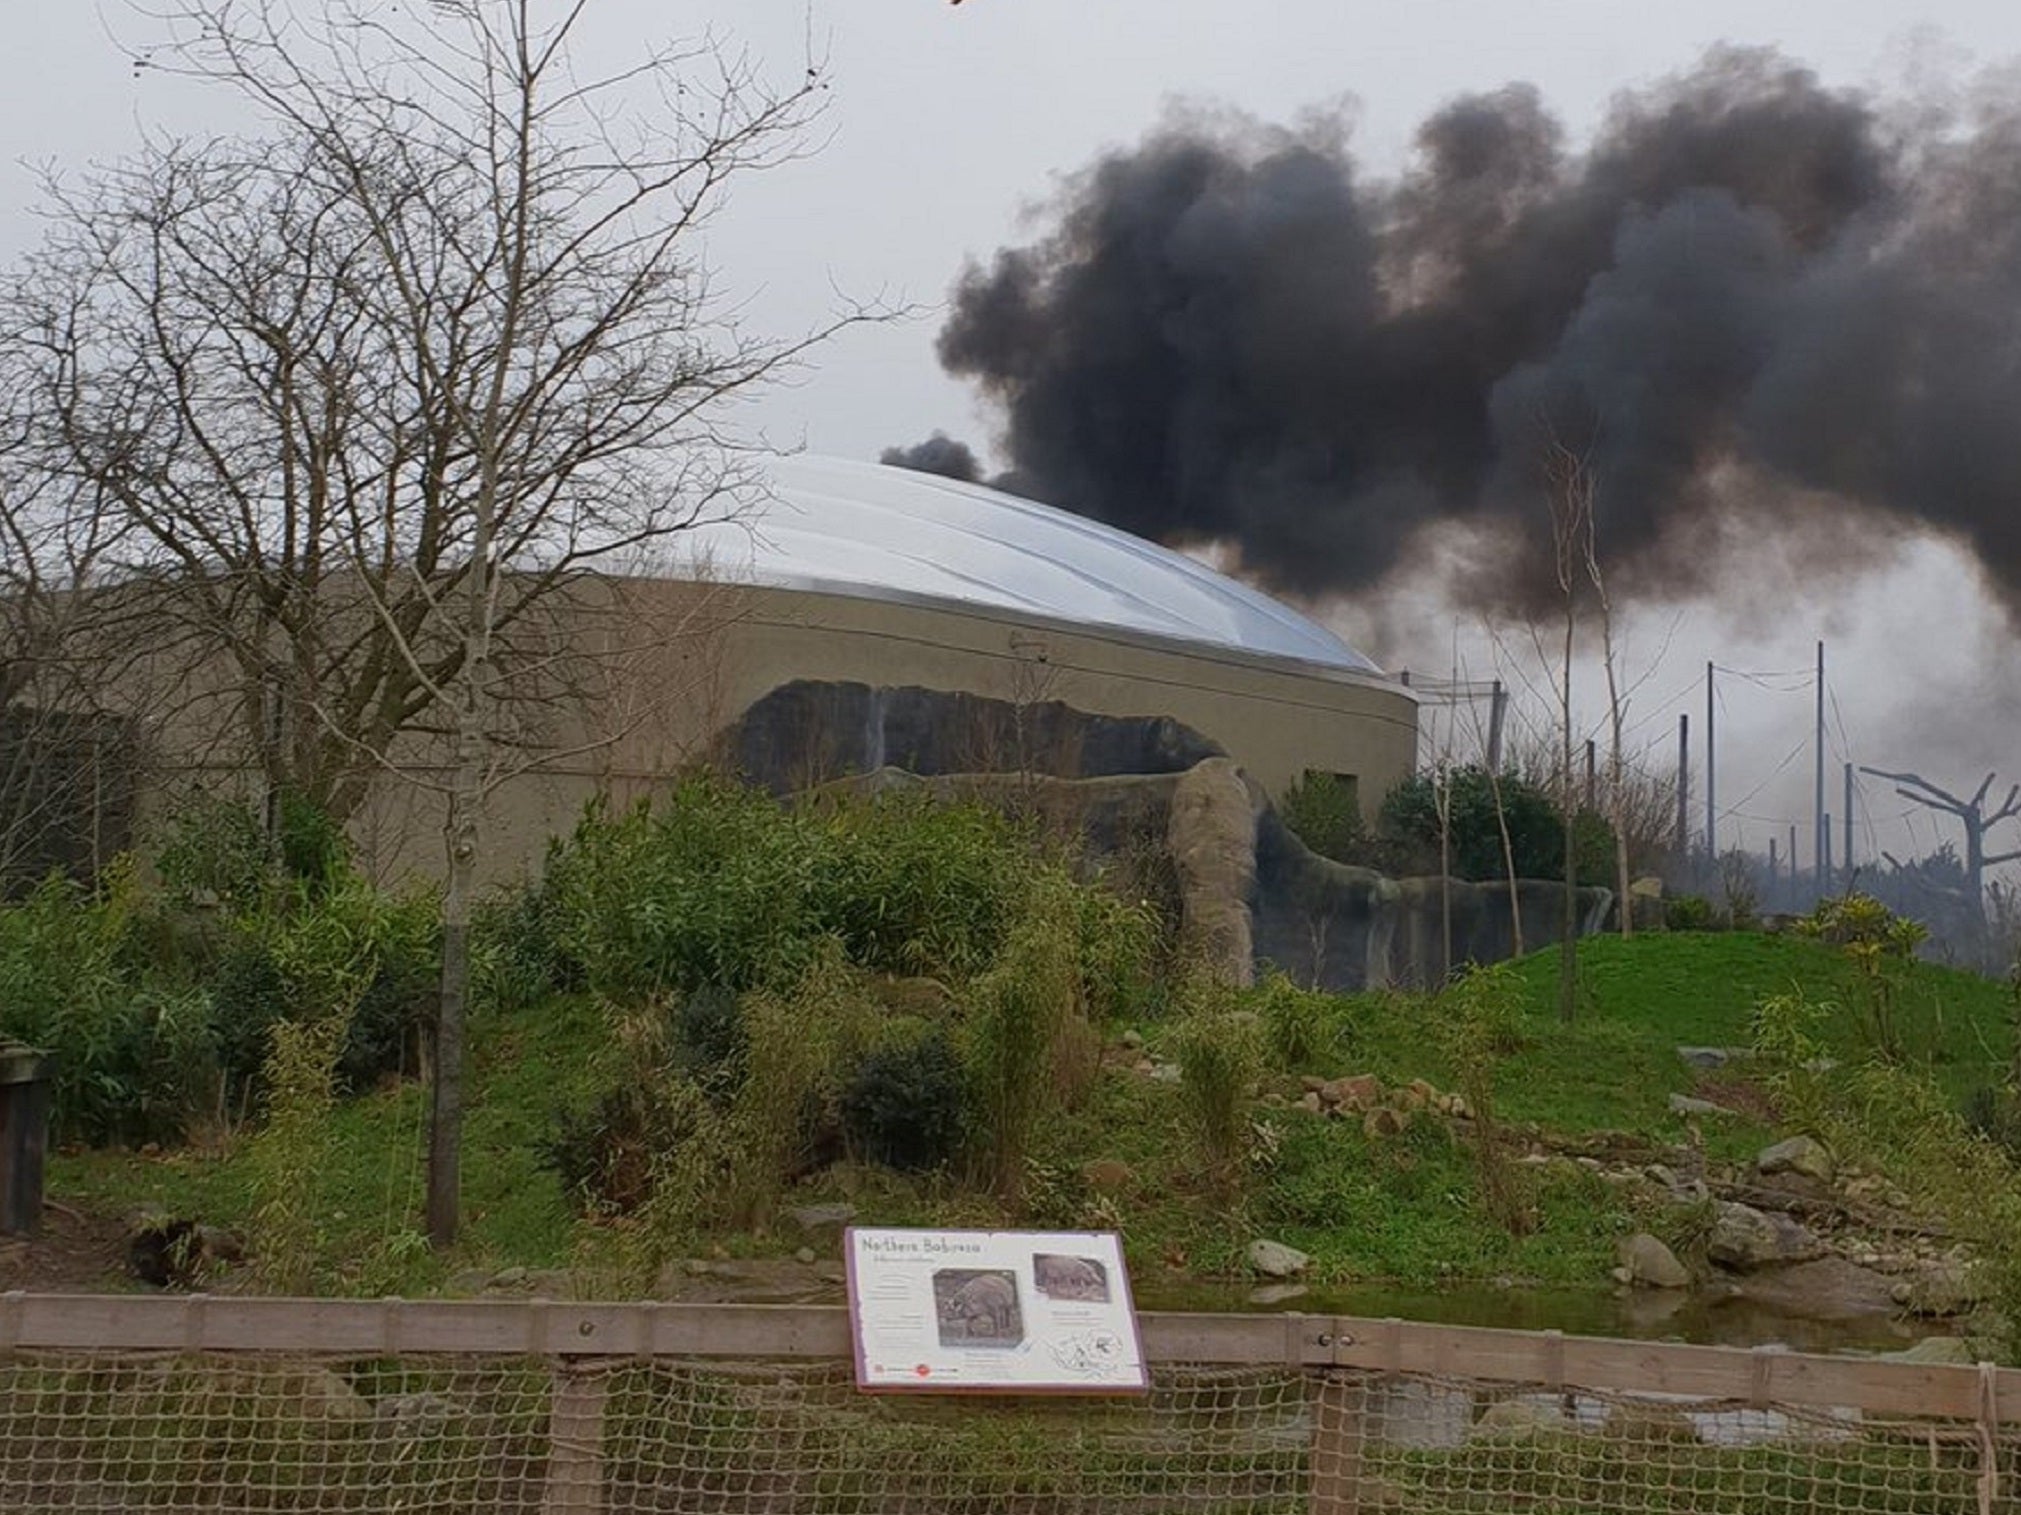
x=1007, y=1312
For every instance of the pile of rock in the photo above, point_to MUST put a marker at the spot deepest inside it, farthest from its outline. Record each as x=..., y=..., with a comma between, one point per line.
x=1383, y=1111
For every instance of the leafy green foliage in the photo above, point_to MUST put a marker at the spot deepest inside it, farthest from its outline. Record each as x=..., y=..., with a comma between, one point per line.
x=1325, y=813
x=161, y=1007
x=1220, y=1059
x=1302, y=1028
x=1410, y=821
x=1019, y=1009
x=905, y=1103
x=718, y=884
x=1880, y=945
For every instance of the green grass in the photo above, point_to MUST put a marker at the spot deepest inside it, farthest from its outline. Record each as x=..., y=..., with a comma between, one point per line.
x=1404, y=1209
x=523, y=1066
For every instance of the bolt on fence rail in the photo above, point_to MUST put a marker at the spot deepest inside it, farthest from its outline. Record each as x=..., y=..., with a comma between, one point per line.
x=257, y=1405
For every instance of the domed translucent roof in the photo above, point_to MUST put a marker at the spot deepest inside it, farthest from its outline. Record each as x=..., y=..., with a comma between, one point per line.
x=895, y=534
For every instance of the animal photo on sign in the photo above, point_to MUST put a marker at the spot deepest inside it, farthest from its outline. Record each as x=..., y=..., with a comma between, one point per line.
x=1081, y=1279
x=978, y=1307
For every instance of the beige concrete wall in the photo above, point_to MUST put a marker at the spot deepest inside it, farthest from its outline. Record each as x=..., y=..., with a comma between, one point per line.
x=688, y=662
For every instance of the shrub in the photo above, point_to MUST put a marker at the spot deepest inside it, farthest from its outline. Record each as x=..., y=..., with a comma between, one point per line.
x=1689, y=912
x=1410, y=820
x=903, y=1106
x=1300, y=1026
x=1019, y=1006
x=1325, y=814
x=717, y=884
x=1219, y=1061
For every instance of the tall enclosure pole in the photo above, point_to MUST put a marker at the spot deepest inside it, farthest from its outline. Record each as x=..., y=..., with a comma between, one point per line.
x=1683, y=787
x=1846, y=831
x=1711, y=822
x=1592, y=774
x=1498, y=709
x=1818, y=808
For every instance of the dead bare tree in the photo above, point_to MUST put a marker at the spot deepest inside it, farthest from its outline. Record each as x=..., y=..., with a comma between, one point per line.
x=393, y=393
x=1617, y=710
x=1973, y=816
x=1568, y=494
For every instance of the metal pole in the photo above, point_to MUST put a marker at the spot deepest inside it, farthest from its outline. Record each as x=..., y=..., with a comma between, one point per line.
x=1711, y=823
x=1592, y=777
x=1819, y=859
x=1683, y=786
x=1846, y=831
x=1498, y=707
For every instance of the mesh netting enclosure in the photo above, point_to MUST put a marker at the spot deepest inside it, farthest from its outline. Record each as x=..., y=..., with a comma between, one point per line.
x=258, y=1432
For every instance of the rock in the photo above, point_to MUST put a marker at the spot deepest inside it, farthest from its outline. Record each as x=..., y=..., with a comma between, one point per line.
x=804, y=1257
x=1276, y=1294
x=1107, y=1175
x=1945, y=1286
x=1418, y=1415
x=1166, y=1073
x=1210, y=835
x=1520, y=1420
x=1951, y=1351
x=1311, y=1103
x=1829, y=1289
x=1312, y=1083
x=1621, y=1276
x=1651, y=1264
x=821, y=1217
x=508, y=1278
x=1380, y=1123
x=1746, y=1238
x=1713, y=1057
x=1363, y=1091
x=1273, y=1259
x=1802, y=1155
x=469, y=1281
x=1685, y=1104
x=1418, y=1094
x=1133, y=1040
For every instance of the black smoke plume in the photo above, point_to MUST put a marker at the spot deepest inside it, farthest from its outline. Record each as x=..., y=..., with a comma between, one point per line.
x=939, y=454
x=1754, y=304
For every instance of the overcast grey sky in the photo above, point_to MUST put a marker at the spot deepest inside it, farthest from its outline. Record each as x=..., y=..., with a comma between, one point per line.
x=947, y=122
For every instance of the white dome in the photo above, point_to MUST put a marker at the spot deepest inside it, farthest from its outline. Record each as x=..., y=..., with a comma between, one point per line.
x=896, y=534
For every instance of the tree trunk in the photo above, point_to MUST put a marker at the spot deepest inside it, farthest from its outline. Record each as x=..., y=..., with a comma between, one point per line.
x=1568, y=937
x=445, y=1128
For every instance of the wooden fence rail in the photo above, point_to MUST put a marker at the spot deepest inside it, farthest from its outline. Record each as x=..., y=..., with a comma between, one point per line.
x=586, y=1343
x=547, y=1328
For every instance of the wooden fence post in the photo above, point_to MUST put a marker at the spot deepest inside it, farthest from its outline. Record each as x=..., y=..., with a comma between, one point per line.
x=575, y=1464
x=1336, y=1444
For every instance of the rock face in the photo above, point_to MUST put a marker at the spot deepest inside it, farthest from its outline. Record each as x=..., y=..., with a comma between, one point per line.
x=1801, y=1155
x=1651, y=1264
x=1828, y=1289
x=1211, y=835
x=1746, y=1238
x=1273, y=1259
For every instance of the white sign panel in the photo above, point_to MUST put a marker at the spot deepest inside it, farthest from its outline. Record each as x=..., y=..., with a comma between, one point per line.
x=1019, y=1312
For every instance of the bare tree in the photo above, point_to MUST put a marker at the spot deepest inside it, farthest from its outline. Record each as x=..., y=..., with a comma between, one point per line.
x=1973, y=816
x=1617, y=711
x=1568, y=493
x=394, y=393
